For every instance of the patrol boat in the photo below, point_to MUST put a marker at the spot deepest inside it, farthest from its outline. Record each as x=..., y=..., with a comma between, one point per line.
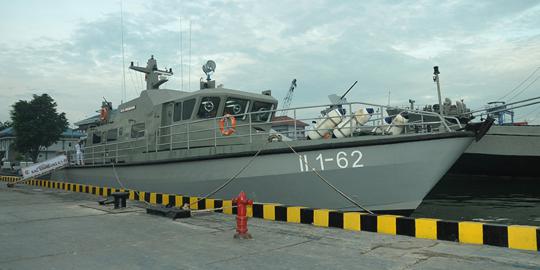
x=189, y=143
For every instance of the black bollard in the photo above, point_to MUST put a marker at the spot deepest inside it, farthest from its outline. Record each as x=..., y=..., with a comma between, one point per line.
x=120, y=199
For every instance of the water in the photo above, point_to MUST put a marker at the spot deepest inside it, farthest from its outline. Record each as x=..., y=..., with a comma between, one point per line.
x=484, y=199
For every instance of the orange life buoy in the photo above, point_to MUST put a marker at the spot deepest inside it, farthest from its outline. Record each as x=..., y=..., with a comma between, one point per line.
x=231, y=129
x=103, y=114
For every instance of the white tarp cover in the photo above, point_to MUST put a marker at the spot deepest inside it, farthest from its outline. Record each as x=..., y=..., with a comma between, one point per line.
x=44, y=167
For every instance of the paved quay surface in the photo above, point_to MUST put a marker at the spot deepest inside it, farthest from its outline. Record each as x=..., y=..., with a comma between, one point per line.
x=53, y=229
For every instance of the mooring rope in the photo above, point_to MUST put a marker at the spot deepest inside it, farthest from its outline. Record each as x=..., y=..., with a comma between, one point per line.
x=226, y=183
x=123, y=187
x=234, y=176
x=212, y=209
x=327, y=182
x=214, y=191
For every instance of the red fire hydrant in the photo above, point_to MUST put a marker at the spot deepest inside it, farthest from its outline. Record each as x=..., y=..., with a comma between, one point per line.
x=241, y=216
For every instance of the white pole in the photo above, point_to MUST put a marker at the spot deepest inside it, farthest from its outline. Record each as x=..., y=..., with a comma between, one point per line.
x=181, y=58
x=141, y=76
x=436, y=79
x=189, y=67
x=123, y=57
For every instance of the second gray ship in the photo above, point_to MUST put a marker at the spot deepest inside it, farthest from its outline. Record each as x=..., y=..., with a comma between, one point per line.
x=509, y=149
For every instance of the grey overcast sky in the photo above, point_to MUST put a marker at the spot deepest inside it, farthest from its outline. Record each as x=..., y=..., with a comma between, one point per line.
x=72, y=49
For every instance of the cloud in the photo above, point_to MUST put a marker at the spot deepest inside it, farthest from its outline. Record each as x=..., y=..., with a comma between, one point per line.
x=483, y=48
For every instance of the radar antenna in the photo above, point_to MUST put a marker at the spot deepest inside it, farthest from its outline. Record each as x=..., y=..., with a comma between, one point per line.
x=288, y=98
x=209, y=68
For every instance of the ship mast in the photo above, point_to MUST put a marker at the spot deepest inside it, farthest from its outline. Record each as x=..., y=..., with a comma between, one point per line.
x=153, y=76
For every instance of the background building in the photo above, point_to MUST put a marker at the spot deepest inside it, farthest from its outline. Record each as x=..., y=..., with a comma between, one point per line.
x=286, y=126
x=67, y=142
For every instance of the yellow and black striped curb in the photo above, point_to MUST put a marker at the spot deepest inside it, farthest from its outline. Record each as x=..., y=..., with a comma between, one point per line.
x=511, y=236
x=9, y=179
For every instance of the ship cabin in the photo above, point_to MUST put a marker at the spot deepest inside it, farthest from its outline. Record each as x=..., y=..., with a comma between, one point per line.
x=168, y=120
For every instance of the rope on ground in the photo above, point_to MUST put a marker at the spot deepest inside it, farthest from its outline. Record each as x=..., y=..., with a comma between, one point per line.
x=213, y=209
x=326, y=181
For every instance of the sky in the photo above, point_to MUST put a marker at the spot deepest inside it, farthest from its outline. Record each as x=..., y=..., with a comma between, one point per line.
x=72, y=50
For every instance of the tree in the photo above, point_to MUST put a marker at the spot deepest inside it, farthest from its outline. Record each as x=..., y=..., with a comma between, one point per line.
x=36, y=124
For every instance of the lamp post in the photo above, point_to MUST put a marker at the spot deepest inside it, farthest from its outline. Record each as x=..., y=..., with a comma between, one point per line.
x=436, y=80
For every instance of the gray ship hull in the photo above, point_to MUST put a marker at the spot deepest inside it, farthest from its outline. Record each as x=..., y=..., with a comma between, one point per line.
x=504, y=151
x=385, y=175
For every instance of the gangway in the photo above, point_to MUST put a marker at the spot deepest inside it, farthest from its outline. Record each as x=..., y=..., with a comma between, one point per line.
x=44, y=167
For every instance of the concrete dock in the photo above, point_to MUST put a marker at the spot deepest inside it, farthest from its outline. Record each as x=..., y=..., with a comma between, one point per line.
x=43, y=228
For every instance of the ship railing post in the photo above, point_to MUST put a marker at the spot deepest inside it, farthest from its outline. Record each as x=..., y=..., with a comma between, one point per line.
x=422, y=121
x=445, y=124
x=215, y=132
x=250, y=132
x=170, y=138
x=351, y=118
x=295, y=128
x=146, y=141
x=116, y=155
x=157, y=136
x=187, y=133
x=382, y=117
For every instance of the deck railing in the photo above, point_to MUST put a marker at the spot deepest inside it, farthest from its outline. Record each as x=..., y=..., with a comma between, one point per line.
x=250, y=128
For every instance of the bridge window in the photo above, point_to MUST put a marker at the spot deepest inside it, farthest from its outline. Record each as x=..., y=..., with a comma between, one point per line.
x=183, y=110
x=187, y=110
x=96, y=138
x=137, y=130
x=235, y=106
x=261, y=111
x=177, y=116
x=209, y=107
x=112, y=135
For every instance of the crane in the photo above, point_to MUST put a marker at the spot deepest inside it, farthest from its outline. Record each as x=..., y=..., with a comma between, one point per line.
x=288, y=98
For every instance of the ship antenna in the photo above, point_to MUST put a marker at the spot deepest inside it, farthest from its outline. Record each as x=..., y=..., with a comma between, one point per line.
x=189, y=68
x=181, y=57
x=142, y=78
x=123, y=55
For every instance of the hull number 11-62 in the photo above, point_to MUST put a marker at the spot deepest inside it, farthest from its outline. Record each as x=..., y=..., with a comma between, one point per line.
x=342, y=160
